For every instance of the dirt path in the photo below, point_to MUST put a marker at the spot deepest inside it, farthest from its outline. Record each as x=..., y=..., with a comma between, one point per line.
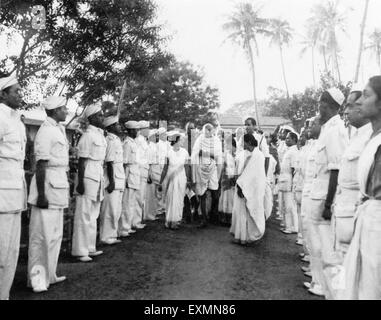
x=191, y=263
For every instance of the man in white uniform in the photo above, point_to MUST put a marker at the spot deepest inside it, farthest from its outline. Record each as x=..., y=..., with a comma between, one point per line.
x=12, y=181
x=130, y=207
x=49, y=196
x=143, y=156
x=331, y=145
x=348, y=189
x=90, y=185
x=111, y=208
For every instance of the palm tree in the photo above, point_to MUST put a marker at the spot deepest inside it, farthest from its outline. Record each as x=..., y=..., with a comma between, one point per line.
x=309, y=43
x=361, y=47
x=243, y=26
x=375, y=45
x=326, y=23
x=281, y=35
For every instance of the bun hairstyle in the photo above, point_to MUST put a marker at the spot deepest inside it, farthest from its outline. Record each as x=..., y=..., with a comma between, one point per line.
x=375, y=84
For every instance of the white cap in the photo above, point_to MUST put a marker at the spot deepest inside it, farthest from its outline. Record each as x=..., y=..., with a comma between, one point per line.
x=336, y=95
x=161, y=130
x=8, y=82
x=143, y=124
x=152, y=132
x=173, y=134
x=92, y=109
x=357, y=87
x=54, y=102
x=132, y=124
x=110, y=120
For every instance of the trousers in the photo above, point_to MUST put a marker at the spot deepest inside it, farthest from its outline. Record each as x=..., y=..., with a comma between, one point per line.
x=111, y=210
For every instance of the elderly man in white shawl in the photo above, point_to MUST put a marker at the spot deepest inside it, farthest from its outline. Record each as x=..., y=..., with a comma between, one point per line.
x=207, y=167
x=248, y=217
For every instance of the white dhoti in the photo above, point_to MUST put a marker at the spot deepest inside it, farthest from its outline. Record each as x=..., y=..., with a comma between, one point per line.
x=10, y=230
x=111, y=211
x=45, y=237
x=129, y=214
x=85, y=226
x=268, y=201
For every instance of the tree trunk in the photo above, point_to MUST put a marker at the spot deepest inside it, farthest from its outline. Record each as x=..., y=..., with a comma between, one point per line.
x=121, y=98
x=337, y=65
x=361, y=41
x=283, y=71
x=313, y=67
x=251, y=59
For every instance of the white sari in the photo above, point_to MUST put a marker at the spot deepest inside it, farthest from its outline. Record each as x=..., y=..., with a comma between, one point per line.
x=175, y=186
x=248, y=217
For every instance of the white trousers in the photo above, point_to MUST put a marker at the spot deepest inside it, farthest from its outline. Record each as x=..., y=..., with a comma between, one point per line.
x=323, y=256
x=141, y=214
x=111, y=211
x=304, y=224
x=129, y=217
x=10, y=230
x=45, y=237
x=151, y=202
x=287, y=207
x=85, y=226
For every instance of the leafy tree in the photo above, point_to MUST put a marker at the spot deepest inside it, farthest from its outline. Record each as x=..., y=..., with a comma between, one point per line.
x=89, y=46
x=176, y=94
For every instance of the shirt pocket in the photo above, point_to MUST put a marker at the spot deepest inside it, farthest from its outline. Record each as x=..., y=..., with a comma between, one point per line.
x=58, y=191
x=12, y=146
x=98, y=150
x=92, y=172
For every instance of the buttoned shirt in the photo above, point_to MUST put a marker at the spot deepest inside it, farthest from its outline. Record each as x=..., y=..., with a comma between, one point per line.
x=308, y=167
x=330, y=146
x=289, y=161
x=114, y=154
x=92, y=146
x=130, y=159
x=143, y=156
x=51, y=145
x=12, y=155
x=297, y=182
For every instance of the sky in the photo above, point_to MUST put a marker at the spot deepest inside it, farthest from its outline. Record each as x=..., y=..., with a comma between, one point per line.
x=195, y=27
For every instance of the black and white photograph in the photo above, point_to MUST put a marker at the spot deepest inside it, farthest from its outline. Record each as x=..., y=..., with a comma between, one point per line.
x=199, y=152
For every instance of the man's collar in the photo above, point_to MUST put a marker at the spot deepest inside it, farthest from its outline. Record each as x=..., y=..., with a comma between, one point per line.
x=52, y=121
x=331, y=121
x=93, y=128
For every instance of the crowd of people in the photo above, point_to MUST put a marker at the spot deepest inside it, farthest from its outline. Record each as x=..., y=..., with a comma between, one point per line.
x=129, y=173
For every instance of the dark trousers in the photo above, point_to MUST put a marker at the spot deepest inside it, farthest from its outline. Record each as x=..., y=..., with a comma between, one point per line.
x=190, y=211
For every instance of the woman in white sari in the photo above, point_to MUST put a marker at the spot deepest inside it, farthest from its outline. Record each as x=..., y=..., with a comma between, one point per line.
x=248, y=217
x=174, y=177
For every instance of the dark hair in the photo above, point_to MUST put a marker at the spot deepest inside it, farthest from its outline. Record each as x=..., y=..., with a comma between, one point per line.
x=327, y=98
x=260, y=131
x=249, y=139
x=234, y=144
x=49, y=113
x=252, y=120
x=175, y=141
x=293, y=136
x=273, y=138
x=375, y=84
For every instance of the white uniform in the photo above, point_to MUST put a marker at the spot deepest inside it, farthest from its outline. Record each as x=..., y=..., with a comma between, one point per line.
x=287, y=205
x=12, y=194
x=111, y=208
x=130, y=206
x=143, y=156
x=330, y=146
x=92, y=147
x=46, y=225
x=151, y=201
x=297, y=187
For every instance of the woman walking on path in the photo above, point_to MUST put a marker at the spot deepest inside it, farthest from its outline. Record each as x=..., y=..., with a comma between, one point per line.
x=175, y=177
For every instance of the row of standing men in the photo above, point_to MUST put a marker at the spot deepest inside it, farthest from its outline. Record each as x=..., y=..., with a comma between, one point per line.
x=329, y=193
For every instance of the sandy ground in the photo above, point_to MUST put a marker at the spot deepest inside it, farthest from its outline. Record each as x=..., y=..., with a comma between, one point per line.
x=190, y=263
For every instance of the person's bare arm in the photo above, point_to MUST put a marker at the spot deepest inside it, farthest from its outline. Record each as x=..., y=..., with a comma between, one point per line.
x=42, y=201
x=81, y=175
x=110, y=175
x=332, y=186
